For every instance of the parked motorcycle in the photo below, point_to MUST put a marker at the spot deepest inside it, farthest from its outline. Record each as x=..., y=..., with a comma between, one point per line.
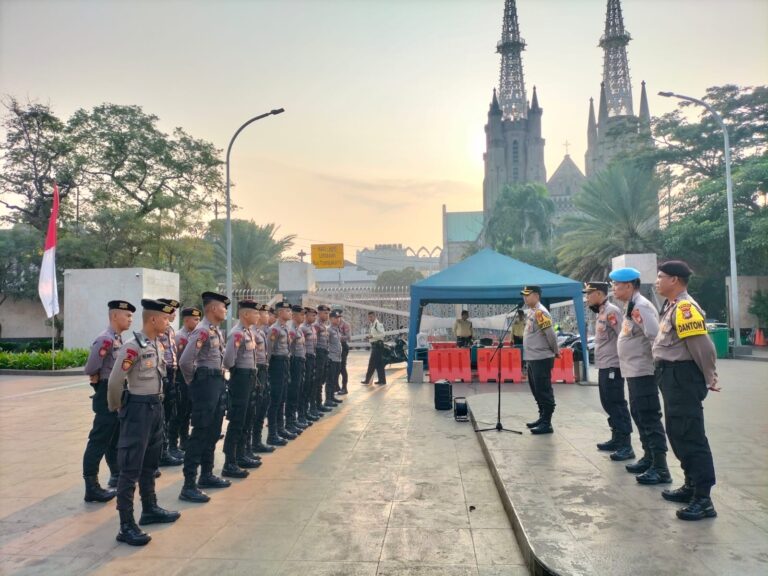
x=395, y=352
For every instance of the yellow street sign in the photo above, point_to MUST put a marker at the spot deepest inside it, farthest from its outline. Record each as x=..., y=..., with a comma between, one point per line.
x=328, y=255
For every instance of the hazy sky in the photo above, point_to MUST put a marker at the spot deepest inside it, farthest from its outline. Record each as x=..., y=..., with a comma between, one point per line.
x=385, y=100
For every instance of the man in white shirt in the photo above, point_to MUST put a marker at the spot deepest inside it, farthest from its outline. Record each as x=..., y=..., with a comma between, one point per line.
x=376, y=361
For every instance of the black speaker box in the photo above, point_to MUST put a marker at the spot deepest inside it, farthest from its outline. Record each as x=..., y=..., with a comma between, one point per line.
x=443, y=395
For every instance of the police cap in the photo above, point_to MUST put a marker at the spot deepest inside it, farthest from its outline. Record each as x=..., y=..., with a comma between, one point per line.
x=247, y=305
x=296, y=309
x=283, y=304
x=323, y=308
x=530, y=290
x=157, y=306
x=170, y=301
x=590, y=287
x=214, y=297
x=335, y=314
x=193, y=312
x=676, y=268
x=625, y=275
x=310, y=310
x=121, y=305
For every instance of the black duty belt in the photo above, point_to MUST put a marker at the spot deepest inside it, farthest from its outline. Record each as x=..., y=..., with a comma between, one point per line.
x=663, y=363
x=205, y=371
x=249, y=371
x=145, y=398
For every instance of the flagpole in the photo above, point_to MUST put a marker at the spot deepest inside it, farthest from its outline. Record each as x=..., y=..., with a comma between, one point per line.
x=53, y=342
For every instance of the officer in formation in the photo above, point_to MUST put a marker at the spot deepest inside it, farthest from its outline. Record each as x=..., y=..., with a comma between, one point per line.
x=610, y=381
x=309, y=398
x=640, y=325
x=294, y=414
x=261, y=399
x=376, y=361
x=539, y=350
x=345, y=329
x=135, y=393
x=321, y=361
x=335, y=352
x=102, y=439
x=178, y=430
x=278, y=354
x=170, y=390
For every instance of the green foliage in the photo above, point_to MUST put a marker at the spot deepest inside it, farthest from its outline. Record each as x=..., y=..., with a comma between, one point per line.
x=37, y=345
x=759, y=308
x=404, y=277
x=617, y=214
x=522, y=217
x=42, y=360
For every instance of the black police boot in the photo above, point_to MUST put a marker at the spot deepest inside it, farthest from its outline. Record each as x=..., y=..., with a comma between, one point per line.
x=683, y=494
x=321, y=408
x=94, y=492
x=285, y=434
x=191, y=493
x=168, y=459
x=209, y=480
x=158, y=473
x=641, y=465
x=700, y=507
x=624, y=450
x=231, y=469
x=174, y=451
x=151, y=513
x=546, y=425
x=247, y=451
x=535, y=422
x=130, y=533
x=338, y=400
x=112, y=483
x=258, y=447
x=311, y=416
x=245, y=460
x=658, y=473
x=343, y=391
x=611, y=445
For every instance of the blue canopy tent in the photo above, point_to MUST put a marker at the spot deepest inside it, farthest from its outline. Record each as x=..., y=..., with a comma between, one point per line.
x=491, y=278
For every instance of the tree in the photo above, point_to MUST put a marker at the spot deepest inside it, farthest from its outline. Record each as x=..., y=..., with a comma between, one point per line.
x=22, y=252
x=617, y=213
x=404, y=277
x=522, y=217
x=759, y=308
x=256, y=253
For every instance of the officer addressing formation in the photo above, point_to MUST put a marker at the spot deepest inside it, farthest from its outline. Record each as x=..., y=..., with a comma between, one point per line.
x=149, y=390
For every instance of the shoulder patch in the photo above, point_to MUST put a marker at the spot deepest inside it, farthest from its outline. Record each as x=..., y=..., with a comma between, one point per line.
x=688, y=320
x=105, y=347
x=612, y=320
x=543, y=320
x=130, y=357
x=238, y=339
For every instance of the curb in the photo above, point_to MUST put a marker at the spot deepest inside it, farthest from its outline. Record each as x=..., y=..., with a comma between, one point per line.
x=62, y=372
x=535, y=564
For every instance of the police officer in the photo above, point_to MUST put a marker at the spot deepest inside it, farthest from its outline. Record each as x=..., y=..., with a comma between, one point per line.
x=539, y=351
x=178, y=431
x=310, y=342
x=334, y=355
x=240, y=360
x=262, y=396
x=298, y=348
x=139, y=402
x=102, y=439
x=321, y=361
x=201, y=364
x=376, y=359
x=345, y=329
x=278, y=352
x=639, y=327
x=462, y=330
x=170, y=391
x=685, y=371
x=610, y=380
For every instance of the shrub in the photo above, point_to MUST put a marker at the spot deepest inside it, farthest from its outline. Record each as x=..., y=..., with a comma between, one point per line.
x=42, y=360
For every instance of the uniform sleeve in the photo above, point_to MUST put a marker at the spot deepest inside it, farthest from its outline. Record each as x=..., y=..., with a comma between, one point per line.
x=551, y=337
x=702, y=350
x=126, y=359
x=230, y=350
x=181, y=342
x=613, y=321
x=99, y=349
x=189, y=356
x=649, y=321
x=272, y=336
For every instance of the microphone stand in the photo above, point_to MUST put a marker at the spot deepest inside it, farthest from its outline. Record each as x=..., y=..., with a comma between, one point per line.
x=507, y=329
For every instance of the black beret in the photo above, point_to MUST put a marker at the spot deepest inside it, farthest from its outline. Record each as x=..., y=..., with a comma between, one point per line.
x=297, y=309
x=676, y=268
x=338, y=310
x=121, y=305
x=283, y=304
x=213, y=296
x=194, y=312
x=264, y=308
x=310, y=310
x=594, y=286
x=247, y=305
x=530, y=290
x=335, y=314
x=323, y=308
x=156, y=306
x=271, y=309
x=170, y=301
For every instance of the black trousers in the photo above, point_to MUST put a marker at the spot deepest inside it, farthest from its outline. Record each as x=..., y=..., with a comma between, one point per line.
x=332, y=379
x=645, y=408
x=138, y=451
x=103, y=437
x=279, y=374
x=170, y=402
x=683, y=388
x=206, y=393
x=178, y=428
x=613, y=400
x=344, y=357
x=376, y=363
x=464, y=341
x=307, y=400
x=261, y=401
x=295, y=385
x=540, y=381
x=241, y=385
x=321, y=373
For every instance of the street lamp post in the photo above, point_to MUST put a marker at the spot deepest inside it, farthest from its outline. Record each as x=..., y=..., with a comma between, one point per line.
x=735, y=315
x=229, y=209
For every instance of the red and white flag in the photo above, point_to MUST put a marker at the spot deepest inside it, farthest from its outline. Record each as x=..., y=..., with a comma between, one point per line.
x=46, y=286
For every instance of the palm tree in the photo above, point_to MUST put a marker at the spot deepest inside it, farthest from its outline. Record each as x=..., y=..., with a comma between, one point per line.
x=256, y=253
x=617, y=213
x=522, y=217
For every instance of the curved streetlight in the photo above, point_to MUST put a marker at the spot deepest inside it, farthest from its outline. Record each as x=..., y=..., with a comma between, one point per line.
x=229, y=209
x=735, y=315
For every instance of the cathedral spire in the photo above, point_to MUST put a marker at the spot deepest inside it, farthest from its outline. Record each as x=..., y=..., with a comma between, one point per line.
x=535, y=101
x=495, y=109
x=645, y=113
x=602, y=115
x=591, y=126
x=511, y=82
x=615, y=64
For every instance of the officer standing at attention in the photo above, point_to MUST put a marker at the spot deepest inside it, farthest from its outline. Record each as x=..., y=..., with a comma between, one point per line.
x=140, y=405
x=334, y=356
x=310, y=342
x=376, y=359
x=462, y=329
x=102, y=439
x=178, y=431
x=294, y=415
x=278, y=352
x=170, y=391
x=638, y=331
x=261, y=405
x=610, y=380
x=685, y=371
x=345, y=329
x=539, y=352
x=321, y=361
x=201, y=364
x=240, y=360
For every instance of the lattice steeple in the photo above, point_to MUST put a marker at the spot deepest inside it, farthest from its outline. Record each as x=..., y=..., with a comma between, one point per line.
x=618, y=89
x=511, y=83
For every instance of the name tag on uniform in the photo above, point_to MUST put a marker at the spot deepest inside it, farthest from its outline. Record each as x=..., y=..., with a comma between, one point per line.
x=626, y=327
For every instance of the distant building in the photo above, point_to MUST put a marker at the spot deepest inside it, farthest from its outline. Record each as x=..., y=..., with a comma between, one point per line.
x=383, y=257
x=351, y=276
x=461, y=231
x=564, y=183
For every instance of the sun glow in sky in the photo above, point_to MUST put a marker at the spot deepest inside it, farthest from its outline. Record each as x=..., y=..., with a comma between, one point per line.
x=385, y=100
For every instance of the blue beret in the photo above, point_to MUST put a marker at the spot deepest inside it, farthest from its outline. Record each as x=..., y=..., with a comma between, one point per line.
x=625, y=274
